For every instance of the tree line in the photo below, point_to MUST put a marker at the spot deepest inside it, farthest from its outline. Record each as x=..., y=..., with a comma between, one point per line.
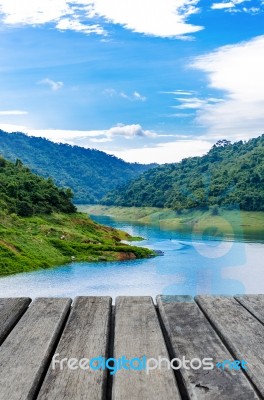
x=89, y=173
x=228, y=175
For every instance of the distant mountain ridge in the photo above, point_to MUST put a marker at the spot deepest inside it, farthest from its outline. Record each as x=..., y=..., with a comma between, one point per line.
x=228, y=175
x=89, y=173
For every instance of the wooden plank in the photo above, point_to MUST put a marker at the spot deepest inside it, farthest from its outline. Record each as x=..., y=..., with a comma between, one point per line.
x=192, y=336
x=242, y=333
x=11, y=309
x=138, y=334
x=254, y=304
x=85, y=336
x=25, y=353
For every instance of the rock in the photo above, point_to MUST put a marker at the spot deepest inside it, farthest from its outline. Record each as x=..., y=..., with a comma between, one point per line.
x=158, y=252
x=126, y=256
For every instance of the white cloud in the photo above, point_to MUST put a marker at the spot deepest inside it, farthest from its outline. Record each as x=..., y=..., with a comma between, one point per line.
x=139, y=97
x=233, y=6
x=103, y=140
x=179, y=92
x=73, y=24
x=33, y=11
x=70, y=136
x=180, y=115
x=179, y=146
x=221, y=6
x=135, y=96
x=189, y=103
x=236, y=2
x=182, y=93
x=124, y=96
x=13, y=112
x=13, y=128
x=166, y=152
x=55, y=86
x=64, y=14
x=194, y=102
x=110, y=92
x=237, y=70
x=130, y=131
x=164, y=18
x=252, y=10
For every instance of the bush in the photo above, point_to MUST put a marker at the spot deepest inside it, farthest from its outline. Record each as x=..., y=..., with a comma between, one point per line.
x=214, y=210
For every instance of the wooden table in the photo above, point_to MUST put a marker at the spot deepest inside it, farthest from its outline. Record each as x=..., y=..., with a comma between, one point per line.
x=217, y=327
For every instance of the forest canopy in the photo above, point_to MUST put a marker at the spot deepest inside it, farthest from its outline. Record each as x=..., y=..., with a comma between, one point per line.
x=89, y=173
x=26, y=194
x=228, y=175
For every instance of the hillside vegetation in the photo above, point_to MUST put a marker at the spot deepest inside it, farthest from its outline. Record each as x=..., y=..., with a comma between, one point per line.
x=25, y=194
x=44, y=241
x=230, y=175
x=89, y=173
x=40, y=228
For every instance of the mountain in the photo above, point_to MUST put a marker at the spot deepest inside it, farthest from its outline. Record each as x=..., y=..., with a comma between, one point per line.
x=228, y=175
x=89, y=173
x=26, y=194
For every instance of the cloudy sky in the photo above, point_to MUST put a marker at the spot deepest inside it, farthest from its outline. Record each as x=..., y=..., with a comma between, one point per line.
x=148, y=81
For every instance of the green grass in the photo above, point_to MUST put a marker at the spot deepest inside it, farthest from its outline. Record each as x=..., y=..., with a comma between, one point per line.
x=121, y=213
x=249, y=224
x=28, y=244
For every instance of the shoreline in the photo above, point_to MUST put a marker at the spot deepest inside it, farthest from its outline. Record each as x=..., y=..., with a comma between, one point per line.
x=231, y=223
x=46, y=241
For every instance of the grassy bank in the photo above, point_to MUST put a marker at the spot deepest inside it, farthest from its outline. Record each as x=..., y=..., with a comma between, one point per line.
x=230, y=222
x=32, y=243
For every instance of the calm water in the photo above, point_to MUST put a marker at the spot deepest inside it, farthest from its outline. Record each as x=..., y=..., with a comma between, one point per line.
x=190, y=265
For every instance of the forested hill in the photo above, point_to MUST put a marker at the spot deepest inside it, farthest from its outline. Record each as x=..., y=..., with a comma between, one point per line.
x=40, y=227
x=89, y=173
x=25, y=194
x=230, y=174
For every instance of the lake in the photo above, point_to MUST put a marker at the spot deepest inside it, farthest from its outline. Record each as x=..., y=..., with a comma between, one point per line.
x=190, y=265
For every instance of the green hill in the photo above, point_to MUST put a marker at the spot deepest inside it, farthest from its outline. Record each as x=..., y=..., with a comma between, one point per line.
x=229, y=175
x=40, y=228
x=26, y=194
x=89, y=173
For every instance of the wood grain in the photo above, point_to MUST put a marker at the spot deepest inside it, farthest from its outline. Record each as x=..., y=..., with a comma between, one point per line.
x=85, y=336
x=26, y=352
x=242, y=333
x=254, y=304
x=192, y=336
x=11, y=310
x=138, y=334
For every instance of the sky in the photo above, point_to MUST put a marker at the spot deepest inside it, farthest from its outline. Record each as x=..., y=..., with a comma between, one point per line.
x=147, y=81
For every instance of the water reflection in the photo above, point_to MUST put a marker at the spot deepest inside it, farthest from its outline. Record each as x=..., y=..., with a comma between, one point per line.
x=192, y=264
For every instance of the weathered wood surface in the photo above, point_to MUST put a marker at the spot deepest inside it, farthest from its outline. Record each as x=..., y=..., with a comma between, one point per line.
x=218, y=327
x=11, y=309
x=242, y=333
x=254, y=304
x=26, y=352
x=192, y=336
x=85, y=335
x=138, y=334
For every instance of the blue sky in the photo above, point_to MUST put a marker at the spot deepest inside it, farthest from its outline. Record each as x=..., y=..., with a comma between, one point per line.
x=148, y=81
